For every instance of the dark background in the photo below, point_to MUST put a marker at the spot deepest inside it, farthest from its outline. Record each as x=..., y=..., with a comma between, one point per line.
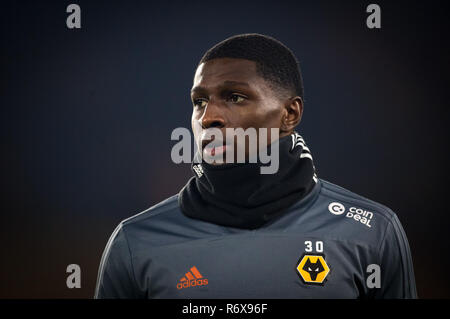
x=86, y=118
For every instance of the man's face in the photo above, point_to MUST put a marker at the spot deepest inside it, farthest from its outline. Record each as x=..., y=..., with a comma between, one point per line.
x=228, y=93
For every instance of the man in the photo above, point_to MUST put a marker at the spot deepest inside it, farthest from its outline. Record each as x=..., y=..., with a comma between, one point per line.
x=233, y=232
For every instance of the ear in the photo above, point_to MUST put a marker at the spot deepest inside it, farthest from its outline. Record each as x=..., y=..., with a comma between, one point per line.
x=293, y=111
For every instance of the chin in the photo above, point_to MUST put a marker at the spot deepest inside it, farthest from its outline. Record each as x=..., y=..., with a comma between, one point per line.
x=212, y=162
x=217, y=164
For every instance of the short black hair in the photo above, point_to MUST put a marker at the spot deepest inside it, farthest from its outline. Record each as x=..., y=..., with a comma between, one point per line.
x=275, y=62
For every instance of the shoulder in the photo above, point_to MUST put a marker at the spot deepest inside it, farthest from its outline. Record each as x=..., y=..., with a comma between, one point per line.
x=153, y=224
x=357, y=203
x=346, y=215
x=167, y=206
x=160, y=225
x=160, y=210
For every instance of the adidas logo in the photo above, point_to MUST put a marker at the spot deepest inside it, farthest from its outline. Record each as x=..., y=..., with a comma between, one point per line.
x=191, y=279
x=198, y=169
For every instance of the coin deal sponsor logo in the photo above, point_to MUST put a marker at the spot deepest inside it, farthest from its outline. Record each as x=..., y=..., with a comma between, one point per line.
x=358, y=214
x=313, y=269
x=336, y=208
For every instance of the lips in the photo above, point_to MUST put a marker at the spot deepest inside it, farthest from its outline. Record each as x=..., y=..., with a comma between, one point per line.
x=213, y=148
x=218, y=150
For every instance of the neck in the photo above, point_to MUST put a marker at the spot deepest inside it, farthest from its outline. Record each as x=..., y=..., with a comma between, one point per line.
x=238, y=195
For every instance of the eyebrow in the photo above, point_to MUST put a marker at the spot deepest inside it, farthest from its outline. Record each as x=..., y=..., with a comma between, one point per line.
x=225, y=83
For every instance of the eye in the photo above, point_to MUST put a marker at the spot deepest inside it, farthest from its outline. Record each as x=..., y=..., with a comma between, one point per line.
x=309, y=269
x=200, y=103
x=236, y=98
x=317, y=269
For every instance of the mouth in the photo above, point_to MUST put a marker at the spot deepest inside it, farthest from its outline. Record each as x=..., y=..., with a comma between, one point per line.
x=213, y=148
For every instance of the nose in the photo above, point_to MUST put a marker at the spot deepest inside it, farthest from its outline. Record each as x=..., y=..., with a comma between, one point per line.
x=212, y=116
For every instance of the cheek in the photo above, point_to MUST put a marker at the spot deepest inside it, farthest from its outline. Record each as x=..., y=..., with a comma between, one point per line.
x=193, y=119
x=262, y=117
x=196, y=127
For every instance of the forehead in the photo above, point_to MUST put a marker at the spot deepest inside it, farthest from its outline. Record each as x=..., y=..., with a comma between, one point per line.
x=217, y=71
